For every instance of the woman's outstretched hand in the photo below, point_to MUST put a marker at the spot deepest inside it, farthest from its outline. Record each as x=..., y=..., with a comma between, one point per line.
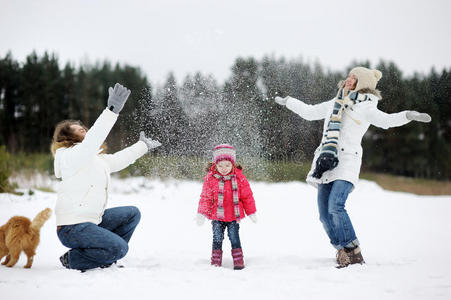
x=281, y=101
x=151, y=144
x=416, y=116
x=117, y=97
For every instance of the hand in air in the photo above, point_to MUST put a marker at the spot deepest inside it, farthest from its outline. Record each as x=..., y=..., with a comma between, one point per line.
x=151, y=144
x=117, y=97
x=419, y=117
x=281, y=101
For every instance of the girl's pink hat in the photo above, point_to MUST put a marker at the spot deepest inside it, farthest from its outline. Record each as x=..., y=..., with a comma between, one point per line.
x=224, y=152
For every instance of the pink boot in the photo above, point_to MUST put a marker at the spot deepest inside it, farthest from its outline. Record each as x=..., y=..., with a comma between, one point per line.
x=238, y=260
x=216, y=258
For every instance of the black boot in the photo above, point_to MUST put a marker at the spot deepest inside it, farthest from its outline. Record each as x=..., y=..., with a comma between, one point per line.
x=109, y=265
x=64, y=259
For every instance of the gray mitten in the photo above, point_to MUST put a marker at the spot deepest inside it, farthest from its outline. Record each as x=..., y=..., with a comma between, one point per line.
x=416, y=116
x=151, y=144
x=200, y=219
x=281, y=101
x=253, y=217
x=118, y=97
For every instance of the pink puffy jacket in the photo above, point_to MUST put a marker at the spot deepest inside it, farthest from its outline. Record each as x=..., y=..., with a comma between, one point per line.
x=208, y=202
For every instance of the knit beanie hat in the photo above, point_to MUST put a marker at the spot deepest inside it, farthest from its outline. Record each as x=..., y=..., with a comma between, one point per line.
x=224, y=152
x=366, y=78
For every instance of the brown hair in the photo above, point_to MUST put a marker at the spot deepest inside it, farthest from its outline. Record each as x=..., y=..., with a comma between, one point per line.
x=64, y=137
x=210, y=164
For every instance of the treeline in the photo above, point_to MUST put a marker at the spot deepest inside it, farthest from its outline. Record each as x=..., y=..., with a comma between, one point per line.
x=191, y=116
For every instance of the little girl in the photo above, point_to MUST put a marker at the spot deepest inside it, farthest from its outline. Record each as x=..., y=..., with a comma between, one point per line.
x=226, y=196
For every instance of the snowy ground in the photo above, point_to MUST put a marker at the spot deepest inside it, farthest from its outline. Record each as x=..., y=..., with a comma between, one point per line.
x=405, y=240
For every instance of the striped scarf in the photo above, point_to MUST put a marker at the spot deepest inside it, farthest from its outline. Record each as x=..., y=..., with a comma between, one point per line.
x=342, y=102
x=328, y=158
x=222, y=180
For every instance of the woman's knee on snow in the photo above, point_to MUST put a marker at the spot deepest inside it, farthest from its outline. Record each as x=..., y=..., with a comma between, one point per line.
x=118, y=249
x=135, y=213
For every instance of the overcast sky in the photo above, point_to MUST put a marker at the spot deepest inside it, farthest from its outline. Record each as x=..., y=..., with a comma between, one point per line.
x=187, y=36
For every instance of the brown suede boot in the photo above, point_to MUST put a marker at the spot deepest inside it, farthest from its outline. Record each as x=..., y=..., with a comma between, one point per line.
x=355, y=255
x=343, y=259
x=238, y=260
x=216, y=258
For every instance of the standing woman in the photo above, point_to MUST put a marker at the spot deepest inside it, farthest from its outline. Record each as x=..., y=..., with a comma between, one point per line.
x=337, y=160
x=97, y=236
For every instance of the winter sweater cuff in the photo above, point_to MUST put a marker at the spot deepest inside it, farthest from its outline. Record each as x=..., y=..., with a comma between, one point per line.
x=110, y=113
x=141, y=148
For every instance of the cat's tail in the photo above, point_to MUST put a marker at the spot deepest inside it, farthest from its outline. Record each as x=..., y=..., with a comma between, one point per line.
x=41, y=218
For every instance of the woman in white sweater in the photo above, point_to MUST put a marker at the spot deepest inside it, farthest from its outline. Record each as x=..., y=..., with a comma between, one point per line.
x=337, y=160
x=97, y=236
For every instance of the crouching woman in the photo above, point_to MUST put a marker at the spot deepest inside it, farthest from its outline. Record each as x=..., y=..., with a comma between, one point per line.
x=98, y=237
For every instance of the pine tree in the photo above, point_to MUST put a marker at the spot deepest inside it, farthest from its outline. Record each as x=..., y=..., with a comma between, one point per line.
x=201, y=101
x=69, y=99
x=9, y=102
x=41, y=92
x=240, y=119
x=171, y=119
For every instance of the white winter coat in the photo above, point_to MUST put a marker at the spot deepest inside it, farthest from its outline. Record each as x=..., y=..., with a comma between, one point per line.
x=355, y=123
x=85, y=173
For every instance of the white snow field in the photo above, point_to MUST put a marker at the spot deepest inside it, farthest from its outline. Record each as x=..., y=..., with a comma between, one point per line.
x=405, y=241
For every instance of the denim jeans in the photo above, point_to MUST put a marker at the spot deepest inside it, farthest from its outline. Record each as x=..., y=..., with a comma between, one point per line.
x=332, y=213
x=232, y=231
x=100, y=245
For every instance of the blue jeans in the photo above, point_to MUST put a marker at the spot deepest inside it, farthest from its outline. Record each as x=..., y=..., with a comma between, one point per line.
x=232, y=231
x=332, y=213
x=100, y=245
